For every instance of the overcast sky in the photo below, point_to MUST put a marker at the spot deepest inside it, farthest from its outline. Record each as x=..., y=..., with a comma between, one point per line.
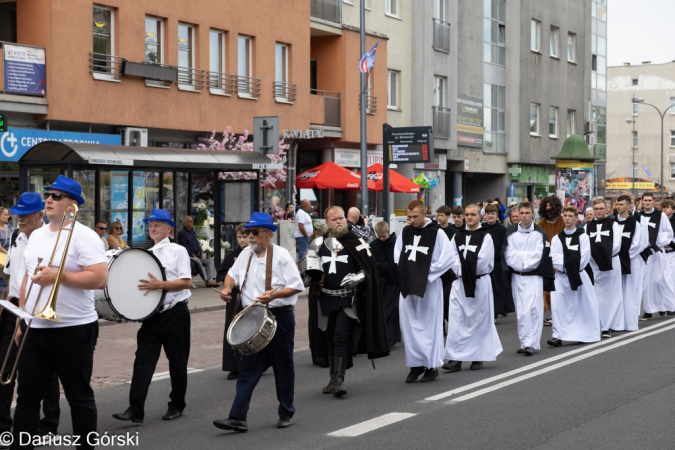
x=640, y=30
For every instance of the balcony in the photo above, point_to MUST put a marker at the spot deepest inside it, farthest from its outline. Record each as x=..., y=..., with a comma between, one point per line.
x=22, y=79
x=325, y=108
x=248, y=87
x=284, y=92
x=105, y=67
x=441, y=36
x=222, y=83
x=371, y=104
x=329, y=10
x=441, y=122
x=191, y=79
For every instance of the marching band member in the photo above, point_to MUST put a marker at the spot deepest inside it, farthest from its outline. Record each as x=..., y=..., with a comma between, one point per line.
x=263, y=264
x=66, y=346
x=168, y=328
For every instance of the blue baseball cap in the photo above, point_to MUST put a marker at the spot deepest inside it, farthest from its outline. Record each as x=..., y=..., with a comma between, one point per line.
x=68, y=186
x=263, y=220
x=28, y=203
x=162, y=215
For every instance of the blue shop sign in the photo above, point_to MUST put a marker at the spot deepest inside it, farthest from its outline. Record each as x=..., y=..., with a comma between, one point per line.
x=15, y=142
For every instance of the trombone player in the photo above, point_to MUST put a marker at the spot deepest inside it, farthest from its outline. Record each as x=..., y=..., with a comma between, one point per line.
x=65, y=345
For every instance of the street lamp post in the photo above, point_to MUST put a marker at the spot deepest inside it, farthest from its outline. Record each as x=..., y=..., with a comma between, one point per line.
x=662, y=115
x=632, y=167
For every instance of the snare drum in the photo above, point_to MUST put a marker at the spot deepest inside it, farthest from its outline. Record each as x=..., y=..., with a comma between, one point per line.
x=122, y=299
x=252, y=329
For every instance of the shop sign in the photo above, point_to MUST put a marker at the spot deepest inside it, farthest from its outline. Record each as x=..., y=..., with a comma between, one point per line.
x=629, y=185
x=440, y=163
x=24, y=70
x=574, y=165
x=346, y=157
x=15, y=142
x=303, y=134
x=111, y=162
x=470, y=122
x=530, y=174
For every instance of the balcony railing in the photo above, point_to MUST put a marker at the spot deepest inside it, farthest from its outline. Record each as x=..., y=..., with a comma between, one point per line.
x=284, y=92
x=371, y=104
x=325, y=108
x=441, y=121
x=441, y=35
x=191, y=78
x=330, y=10
x=222, y=83
x=108, y=66
x=248, y=87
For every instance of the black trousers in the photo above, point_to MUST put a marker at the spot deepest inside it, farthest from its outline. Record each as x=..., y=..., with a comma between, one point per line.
x=68, y=351
x=339, y=334
x=279, y=355
x=7, y=327
x=231, y=357
x=171, y=330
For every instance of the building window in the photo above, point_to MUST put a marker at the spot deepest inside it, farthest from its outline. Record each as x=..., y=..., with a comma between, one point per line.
x=635, y=139
x=553, y=121
x=535, y=33
x=216, y=51
x=494, y=32
x=571, y=47
x=672, y=105
x=555, y=42
x=244, y=67
x=281, y=87
x=391, y=7
x=104, y=42
x=672, y=171
x=393, y=83
x=635, y=81
x=672, y=138
x=571, y=121
x=534, y=119
x=186, y=54
x=635, y=108
x=153, y=41
x=440, y=84
x=494, y=118
x=441, y=10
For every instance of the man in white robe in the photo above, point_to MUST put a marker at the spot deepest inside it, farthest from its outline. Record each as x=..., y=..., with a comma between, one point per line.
x=632, y=264
x=527, y=255
x=421, y=316
x=605, y=238
x=658, y=295
x=472, y=335
x=668, y=208
x=574, y=306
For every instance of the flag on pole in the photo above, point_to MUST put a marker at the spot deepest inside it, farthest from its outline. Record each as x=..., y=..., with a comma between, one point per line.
x=368, y=59
x=647, y=171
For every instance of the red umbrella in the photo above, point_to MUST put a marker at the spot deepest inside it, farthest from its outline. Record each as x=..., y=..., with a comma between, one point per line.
x=330, y=176
x=397, y=182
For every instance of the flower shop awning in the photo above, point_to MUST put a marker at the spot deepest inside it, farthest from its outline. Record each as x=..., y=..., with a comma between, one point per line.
x=118, y=155
x=397, y=182
x=330, y=176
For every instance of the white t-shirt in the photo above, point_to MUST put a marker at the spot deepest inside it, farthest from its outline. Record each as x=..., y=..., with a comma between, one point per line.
x=74, y=306
x=176, y=262
x=302, y=217
x=14, y=256
x=284, y=274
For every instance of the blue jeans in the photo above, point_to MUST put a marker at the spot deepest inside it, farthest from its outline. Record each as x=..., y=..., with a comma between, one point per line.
x=303, y=245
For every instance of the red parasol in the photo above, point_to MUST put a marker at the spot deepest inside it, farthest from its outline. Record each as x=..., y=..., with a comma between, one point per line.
x=330, y=176
x=397, y=182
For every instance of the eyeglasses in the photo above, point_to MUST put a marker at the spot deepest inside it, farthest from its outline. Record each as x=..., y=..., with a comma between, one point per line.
x=102, y=228
x=254, y=232
x=55, y=196
x=117, y=228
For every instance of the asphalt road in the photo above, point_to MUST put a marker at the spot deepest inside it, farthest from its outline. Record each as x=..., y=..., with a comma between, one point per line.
x=617, y=394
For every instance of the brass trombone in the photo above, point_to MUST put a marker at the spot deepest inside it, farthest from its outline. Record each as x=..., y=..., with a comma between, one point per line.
x=49, y=311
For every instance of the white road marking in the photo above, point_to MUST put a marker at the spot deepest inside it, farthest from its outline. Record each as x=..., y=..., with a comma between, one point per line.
x=163, y=375
x=370, y=425
x=546, y=361
x=559, y=365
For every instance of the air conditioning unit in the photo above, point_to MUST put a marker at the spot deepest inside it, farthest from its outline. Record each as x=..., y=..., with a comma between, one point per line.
x=589, y=127
x=134, y=137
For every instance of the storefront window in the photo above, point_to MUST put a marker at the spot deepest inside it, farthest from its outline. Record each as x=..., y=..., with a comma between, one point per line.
x=9, y=186
x=145, y=198
x=236, y=207
x=87, y=178
x=182, y=198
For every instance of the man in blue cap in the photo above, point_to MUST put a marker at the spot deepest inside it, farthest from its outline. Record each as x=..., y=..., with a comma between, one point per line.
x=169, y=328
x=67, y=345
x=265, y=273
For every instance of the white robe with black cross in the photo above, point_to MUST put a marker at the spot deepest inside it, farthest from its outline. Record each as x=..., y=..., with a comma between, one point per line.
x=472, y=335
x=632, y=283
x=575, y=314
x=658, y=293
x=523, y=253
x=421, y=318
x=608, y=287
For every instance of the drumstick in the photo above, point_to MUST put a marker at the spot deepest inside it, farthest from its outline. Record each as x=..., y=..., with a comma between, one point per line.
x=275, y=289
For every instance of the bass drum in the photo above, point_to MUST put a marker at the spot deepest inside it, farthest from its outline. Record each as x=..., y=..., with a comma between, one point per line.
x=121, y=299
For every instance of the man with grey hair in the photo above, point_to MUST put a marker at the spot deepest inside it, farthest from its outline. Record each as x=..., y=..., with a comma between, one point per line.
x=358, y=224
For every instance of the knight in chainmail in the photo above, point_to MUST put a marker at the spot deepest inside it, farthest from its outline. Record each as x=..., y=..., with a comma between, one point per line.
x=342, y=266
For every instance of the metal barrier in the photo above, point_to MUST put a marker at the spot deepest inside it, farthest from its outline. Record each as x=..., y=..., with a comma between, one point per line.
x=191, y=77
x=103, y=64
x=441, y=121
x=330, y=10
x=441, y=35
x=284, y=91
x=248, y=85
x=225, y=82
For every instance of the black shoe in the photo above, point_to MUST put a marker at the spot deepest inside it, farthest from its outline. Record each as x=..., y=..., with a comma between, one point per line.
x=662, y=313
x=671, y=313
x=172, y=414
x=646, y=316
x=429, y=375
x=414, y=374
x=285, y=423
x=606, y=334
x=520, y=350
x=232, y=375
x=129, y=415
x=239, y=426
x=339, y=388
x=528, y=351
x=476, y=365
x=555, y=342
x=452, y=366
x=330, y=387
